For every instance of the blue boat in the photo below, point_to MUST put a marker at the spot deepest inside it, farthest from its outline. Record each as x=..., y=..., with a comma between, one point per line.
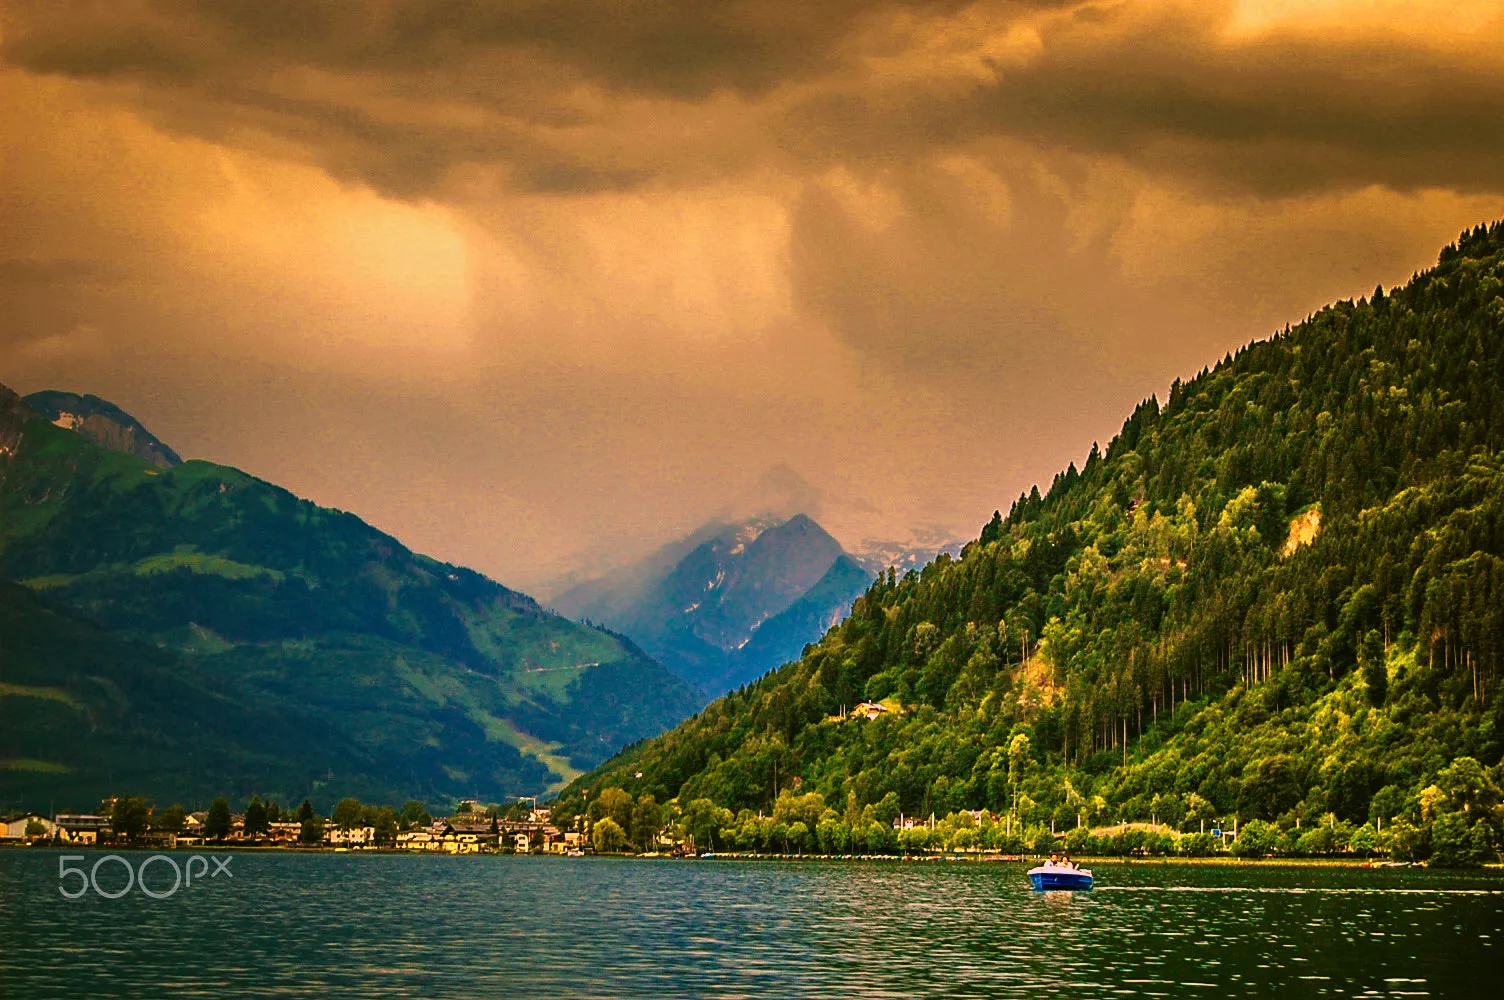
x=1049, y=877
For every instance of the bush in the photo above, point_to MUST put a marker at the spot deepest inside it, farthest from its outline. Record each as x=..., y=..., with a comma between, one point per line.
x=1158, y=843
x=1199, y=845
x=1319, y=841
x=1456, y=843
x=608, y=836
x=1257, y=839
x=1364, y=841
x=1408, y=842
x=1080, y=841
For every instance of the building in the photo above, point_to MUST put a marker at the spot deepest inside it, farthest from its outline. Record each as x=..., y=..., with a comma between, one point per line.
x=357, y=836
x=14, y=826
x=159, y=838
x=869, y=710
x=82, y=828
x=418, y=840
x=284, y=831
x=555, y=842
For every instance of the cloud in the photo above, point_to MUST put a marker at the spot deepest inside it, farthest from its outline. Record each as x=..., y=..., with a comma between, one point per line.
x=677, y=47
x=1171, y=88
x=401, y=93
x=556, y=278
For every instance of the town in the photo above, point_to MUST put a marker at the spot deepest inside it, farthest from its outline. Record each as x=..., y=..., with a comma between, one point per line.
x=616, y=823
x=473, y=828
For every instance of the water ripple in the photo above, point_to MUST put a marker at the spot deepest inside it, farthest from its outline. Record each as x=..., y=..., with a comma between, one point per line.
x=295, y=925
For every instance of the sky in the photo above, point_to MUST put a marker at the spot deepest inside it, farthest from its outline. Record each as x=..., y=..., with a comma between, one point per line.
x=539, y=286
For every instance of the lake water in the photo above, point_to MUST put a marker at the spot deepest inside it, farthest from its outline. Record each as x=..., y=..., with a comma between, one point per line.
x=392, y=926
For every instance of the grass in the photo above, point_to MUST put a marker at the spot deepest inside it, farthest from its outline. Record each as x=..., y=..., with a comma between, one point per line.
x=199, y=562
x=34, y=766
x=44, y=693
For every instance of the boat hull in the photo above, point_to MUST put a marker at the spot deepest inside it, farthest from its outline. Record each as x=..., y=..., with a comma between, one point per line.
x=1046, y=881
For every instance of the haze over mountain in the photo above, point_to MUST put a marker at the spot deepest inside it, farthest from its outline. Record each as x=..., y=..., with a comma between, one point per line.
x=181, y=628
x=1279, y=597
x=747, y=590
x=862, y=528
x=729, y=602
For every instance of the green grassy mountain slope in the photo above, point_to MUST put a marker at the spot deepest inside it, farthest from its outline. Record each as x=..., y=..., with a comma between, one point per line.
x=87, y=712
x=1280, y=598
x=435, y=678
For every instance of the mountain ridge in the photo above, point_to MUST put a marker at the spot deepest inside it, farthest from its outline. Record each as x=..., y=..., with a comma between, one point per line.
x=102, y=422
x=271, y=600
x=1141, y=643
x=699, y=604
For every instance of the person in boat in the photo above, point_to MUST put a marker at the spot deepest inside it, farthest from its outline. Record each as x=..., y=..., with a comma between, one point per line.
x=1067, y=862
x=1054, y=861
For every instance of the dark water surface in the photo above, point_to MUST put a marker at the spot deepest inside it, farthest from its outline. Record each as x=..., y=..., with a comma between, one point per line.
x=390, y=926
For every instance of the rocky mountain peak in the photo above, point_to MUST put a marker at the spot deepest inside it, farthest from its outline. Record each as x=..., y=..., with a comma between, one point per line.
x=104, y=423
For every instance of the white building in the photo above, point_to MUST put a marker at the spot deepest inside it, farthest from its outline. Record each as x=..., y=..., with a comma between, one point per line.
x=357, y=836
x=14, y=827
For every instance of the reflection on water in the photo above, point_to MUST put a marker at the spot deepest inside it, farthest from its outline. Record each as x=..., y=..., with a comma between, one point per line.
x=385, y=926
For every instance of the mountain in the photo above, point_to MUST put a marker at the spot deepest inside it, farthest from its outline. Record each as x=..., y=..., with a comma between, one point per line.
x=392, y=674
x=782, y=638
x=86, y=710
x=104, y=423
x=729, y=602
x=878, y=555
x=1276, y=599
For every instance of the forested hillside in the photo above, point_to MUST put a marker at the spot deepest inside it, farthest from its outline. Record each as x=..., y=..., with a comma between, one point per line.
x=1277, y=597
x=373, y=670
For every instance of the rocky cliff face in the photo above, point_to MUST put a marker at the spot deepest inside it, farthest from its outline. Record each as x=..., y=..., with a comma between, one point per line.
x=104, y=423
x=13, y=416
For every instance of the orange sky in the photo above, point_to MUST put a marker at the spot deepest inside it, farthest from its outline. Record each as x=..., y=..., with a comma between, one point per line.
x=536, y=286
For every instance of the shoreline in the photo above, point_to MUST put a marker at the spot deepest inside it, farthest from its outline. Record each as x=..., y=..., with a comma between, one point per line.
x=1373, y=864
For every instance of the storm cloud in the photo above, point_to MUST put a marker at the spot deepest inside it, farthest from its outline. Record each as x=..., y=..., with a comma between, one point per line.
x=537, y=285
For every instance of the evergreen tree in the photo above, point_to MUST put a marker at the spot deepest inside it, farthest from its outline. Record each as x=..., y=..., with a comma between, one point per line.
x=218, y=823
x=130, y=817
x=257, y=823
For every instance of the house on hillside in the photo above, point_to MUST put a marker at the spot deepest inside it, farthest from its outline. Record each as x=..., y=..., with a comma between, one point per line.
x=869, y=710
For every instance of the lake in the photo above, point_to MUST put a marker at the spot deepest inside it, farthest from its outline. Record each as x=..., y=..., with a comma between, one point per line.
x=397, y=926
